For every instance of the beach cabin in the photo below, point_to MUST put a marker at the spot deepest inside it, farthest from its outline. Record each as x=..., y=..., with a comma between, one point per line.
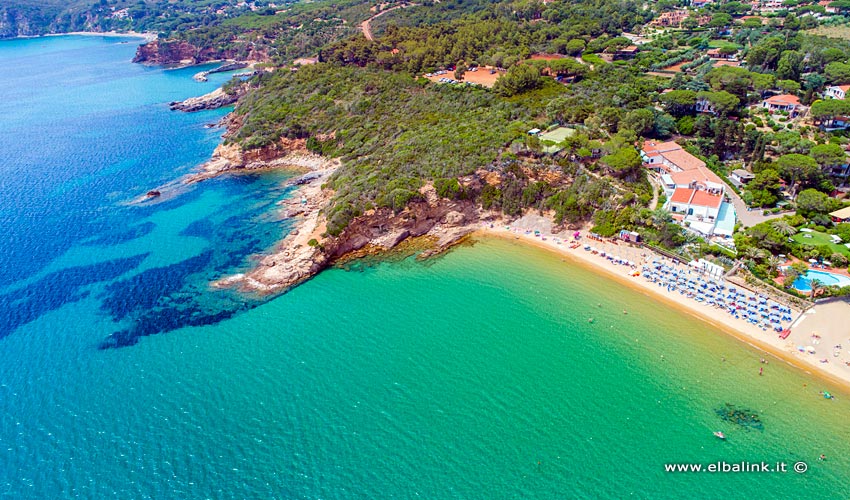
x=630, y=236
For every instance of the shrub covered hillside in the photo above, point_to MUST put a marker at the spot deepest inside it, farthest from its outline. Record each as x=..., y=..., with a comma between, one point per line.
x=391, y=131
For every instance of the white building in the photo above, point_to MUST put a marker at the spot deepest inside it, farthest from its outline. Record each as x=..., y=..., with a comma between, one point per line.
x=785, y=102
x=694, y=193
x=836, y=91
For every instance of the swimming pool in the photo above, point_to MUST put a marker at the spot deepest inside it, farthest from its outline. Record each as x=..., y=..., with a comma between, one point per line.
x=826, y=279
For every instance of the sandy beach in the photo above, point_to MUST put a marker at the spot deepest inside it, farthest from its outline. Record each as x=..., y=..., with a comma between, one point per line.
x=814, y=333
x=148, y=37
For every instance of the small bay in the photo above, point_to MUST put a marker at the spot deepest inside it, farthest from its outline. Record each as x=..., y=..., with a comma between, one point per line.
x=473, y=375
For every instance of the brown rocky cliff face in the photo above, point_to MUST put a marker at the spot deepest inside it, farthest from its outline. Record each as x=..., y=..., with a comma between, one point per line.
x=175, y=52
x=171, y=52
x=384, y=229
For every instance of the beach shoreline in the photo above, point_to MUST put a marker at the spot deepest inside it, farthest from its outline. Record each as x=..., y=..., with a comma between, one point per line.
x=765, y=341
x=148, y=37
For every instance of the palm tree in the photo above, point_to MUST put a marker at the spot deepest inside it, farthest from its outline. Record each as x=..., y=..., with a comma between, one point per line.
x=660, y=217
x=816, y=285
x=773, y=263
x=783, y=227
x=755, y=253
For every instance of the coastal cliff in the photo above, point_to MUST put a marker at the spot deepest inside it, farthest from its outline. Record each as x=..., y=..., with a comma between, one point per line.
x=181, y=52
x=437, y=222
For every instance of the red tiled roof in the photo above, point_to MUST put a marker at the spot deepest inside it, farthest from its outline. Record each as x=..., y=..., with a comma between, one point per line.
x=682, y=195
x=683, y=159
x=701, y=175
x=705, y=199
x=783, y=100
x=654, y=148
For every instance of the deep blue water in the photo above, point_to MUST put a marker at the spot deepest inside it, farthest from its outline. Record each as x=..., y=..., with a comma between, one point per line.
x=84, y=133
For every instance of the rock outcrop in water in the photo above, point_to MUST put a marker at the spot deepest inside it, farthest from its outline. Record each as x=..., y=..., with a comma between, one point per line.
x=218, y=98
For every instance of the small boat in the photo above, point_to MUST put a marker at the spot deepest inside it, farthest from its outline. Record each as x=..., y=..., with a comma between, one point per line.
x=719, y=435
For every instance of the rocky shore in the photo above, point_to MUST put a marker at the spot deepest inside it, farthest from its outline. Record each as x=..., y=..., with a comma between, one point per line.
x=218, y=98
x=307, y=249
x=230, y=66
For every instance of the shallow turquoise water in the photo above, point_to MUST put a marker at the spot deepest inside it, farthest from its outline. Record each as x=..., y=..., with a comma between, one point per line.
x=475, y=375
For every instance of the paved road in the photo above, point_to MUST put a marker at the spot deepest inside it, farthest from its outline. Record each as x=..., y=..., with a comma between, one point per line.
x=751, y=218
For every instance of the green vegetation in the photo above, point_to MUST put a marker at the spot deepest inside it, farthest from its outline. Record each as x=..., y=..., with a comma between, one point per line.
x=397, y=133
x=392, y=132
x=819, y=239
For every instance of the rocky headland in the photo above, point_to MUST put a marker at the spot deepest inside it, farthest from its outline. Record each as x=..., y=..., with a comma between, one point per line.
x=436, y=222
x=218, y=98
x=183, y=53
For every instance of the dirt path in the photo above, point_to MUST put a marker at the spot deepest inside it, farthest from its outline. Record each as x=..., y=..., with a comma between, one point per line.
x=582, y=61
x=654, y=182
x=366, y=27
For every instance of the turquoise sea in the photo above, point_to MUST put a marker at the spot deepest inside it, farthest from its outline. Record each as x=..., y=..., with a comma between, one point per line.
x=474, y=375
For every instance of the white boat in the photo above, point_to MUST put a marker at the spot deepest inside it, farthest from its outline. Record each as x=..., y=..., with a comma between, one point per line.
x=719, y=435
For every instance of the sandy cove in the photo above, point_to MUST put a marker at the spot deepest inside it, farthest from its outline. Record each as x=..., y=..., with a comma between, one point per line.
x=827, y=320
x=307, y=250
x=148, y=37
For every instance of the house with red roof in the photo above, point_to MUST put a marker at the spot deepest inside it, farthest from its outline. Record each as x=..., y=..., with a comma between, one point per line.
x=826, y=4
x=694, y=193
x=718, y=54
x=668, y=157
x=783, y=102
x=836, y=91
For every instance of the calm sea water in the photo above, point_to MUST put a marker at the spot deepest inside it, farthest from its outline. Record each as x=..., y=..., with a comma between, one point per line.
x=476, y=375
